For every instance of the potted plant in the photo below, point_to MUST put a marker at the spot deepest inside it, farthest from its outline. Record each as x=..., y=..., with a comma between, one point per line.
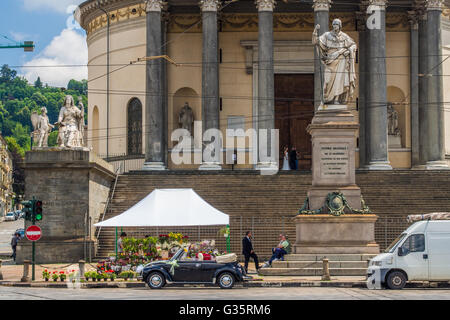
x=46, y=275
x=87, y=275
x=93, y=275
x=112, y=275
x=62, y=276
x=99, y=276
x=55, y=275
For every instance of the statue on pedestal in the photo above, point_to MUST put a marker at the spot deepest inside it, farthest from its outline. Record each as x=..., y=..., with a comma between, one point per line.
x=186, y=118
x=41, y=127
x=70, y=124
x=337, y=52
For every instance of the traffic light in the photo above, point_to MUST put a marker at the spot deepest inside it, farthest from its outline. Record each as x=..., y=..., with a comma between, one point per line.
x=28, y=209
x=38, y=210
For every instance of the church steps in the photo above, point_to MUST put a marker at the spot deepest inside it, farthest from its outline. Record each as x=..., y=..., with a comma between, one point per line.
x=318, y=264
x=312, y=271
x=243, y=195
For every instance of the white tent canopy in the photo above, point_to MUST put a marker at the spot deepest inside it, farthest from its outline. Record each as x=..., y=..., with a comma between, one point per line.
x=169, y=207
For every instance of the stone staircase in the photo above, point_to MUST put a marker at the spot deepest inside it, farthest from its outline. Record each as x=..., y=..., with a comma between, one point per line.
x=266, y=205
x=311, y=265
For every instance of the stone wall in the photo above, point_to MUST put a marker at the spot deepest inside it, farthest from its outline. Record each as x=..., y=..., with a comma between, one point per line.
x=73, y=186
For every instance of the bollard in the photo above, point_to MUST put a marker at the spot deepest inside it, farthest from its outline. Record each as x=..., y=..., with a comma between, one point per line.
x=81, y=264
x=1, y=274
x=26, y=271
x=325, y=270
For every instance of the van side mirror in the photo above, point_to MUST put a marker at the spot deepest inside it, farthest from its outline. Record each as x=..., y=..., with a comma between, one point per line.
x=400, y=252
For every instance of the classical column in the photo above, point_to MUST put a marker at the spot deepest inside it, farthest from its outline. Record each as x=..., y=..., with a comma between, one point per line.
x=423, y=89
x=362, y=97
x=210, y=77
x=156, y=146
x=266, y=100
x=414, y=86
x=321, y=17
x=376, y=91
x=435, y=109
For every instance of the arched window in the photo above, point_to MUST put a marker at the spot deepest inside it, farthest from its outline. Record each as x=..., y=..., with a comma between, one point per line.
x=134, y=115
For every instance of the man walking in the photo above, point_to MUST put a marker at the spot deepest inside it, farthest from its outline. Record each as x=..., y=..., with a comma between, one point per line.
x=248, y=252
x=14, y=241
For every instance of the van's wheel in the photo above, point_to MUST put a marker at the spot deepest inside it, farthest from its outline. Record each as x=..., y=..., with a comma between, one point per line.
x=396, y=280
x=226, y=280
x=156, y=280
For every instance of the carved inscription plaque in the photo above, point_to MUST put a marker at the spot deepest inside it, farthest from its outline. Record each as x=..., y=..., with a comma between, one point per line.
x=334, y=161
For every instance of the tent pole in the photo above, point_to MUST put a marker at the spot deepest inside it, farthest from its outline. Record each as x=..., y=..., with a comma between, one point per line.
x=228, y=239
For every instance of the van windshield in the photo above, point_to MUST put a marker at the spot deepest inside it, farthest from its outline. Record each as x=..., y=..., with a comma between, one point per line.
x=395, y=243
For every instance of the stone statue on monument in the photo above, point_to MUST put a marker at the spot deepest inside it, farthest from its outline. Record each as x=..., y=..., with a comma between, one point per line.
x=186, y=118
x=70, y=123
x=337, y=51
x=41, y=127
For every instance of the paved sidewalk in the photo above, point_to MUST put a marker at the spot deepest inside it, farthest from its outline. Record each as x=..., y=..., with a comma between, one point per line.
x=13, y=273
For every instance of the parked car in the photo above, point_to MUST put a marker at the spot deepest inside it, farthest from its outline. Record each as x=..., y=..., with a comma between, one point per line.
x=180, y=269
x=420, y=253
x=10, y=216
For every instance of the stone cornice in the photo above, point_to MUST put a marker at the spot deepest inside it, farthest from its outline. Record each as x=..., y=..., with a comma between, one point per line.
x=265, y=5
x=322, y=5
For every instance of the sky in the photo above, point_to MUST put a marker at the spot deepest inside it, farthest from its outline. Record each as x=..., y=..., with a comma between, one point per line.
x=59, y=40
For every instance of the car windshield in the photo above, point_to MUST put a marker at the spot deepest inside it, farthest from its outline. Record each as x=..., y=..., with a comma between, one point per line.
x=10, y=214
x=395, y=243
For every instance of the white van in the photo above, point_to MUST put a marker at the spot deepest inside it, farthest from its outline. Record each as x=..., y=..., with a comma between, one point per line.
x=421, y=253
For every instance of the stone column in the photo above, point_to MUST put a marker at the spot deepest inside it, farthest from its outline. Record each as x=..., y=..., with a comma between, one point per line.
x=156, y=146
x=362, y=98
x=321, y=17
x=414, y=86
x=377, y=93
x=423, y=89
x=266, y=87
x=210, y=78
x=435, y=108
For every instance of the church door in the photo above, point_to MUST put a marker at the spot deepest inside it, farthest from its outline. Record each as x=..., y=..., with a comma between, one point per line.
x=294, y=110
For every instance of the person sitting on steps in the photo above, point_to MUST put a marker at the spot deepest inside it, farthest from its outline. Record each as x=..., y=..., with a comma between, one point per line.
x=284, y=247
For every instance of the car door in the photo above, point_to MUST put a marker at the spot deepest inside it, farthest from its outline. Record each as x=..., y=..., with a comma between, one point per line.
x=439, y=255
x=414, y=258
x=209, y=269
x=188, y=271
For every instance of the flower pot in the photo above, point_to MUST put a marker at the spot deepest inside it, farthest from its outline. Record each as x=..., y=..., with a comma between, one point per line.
x=112, y=279
x=46, y=279
x=105, y=279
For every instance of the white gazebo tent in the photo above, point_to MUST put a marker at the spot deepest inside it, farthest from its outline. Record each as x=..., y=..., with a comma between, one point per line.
x=169, y=207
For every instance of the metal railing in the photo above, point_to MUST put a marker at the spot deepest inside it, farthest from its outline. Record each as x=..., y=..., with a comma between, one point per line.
x=265, y=230
x=111, y=195
x=125, y=163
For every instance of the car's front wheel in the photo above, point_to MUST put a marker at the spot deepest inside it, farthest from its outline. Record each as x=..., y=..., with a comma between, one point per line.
x=156, y=280
x=226, y=280
x=396, y=280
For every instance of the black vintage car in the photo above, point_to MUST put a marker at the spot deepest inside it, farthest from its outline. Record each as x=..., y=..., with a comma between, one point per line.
x=180, y=269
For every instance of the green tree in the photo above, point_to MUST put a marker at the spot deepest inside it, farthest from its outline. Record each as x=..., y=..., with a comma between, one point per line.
x=38, y=83
x=7, y=74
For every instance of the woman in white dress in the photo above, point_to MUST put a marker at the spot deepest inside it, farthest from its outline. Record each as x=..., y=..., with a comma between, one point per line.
x=286, y=159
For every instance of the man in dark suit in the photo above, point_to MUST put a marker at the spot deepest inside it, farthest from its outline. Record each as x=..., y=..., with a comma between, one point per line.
x=293, y=158
x=247, y=251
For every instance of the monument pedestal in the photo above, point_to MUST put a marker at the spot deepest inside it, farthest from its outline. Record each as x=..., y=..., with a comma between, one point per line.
x=327, y=234
x=73, y=186
x=334, y=219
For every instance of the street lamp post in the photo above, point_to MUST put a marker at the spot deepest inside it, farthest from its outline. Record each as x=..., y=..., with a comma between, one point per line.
x=107, y=76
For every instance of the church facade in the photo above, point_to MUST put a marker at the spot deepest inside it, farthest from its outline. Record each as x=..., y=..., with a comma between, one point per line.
x=252, y=65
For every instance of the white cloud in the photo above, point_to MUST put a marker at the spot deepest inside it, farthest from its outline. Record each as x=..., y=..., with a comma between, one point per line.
x=56, y=5
x=68, y=48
